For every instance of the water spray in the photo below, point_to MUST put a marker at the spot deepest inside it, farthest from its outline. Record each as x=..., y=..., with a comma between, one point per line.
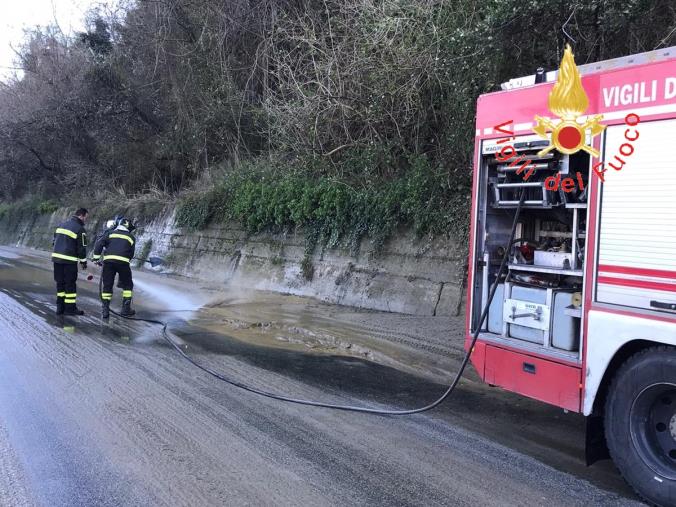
x=351, y=408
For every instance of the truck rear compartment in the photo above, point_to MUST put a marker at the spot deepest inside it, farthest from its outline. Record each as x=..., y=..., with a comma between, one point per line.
x=538, y=303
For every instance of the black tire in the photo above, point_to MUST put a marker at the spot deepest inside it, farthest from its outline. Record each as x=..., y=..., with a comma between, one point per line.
x=640, y=422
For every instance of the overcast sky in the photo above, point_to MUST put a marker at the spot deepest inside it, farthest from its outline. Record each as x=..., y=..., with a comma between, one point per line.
x=15, y=15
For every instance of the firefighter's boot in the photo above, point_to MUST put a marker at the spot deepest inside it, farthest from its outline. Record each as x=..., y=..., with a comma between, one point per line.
x=72, y=309
x=105, y=309
x=127, y=310
x=60, y=305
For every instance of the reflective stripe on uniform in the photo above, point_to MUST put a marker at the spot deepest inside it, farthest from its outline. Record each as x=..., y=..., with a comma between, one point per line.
x=60, y=294
x=69, y=301
x=96, y=257
x=106, y=296
x=115, y=258
x=126, y=293
x=61, y=230
x=65, y=257
x=122, y=236
x=70, y=294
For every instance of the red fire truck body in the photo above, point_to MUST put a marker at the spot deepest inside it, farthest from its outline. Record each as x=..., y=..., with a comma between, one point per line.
x=590, y=291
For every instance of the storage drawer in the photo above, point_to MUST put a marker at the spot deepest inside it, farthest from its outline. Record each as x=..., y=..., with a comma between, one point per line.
x=537, y=378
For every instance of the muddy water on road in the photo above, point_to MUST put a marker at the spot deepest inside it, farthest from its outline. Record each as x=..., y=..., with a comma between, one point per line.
x=424, y=346
x=324, y=346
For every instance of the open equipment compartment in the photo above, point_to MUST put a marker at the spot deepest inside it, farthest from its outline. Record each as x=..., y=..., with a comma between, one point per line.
x=538, y=303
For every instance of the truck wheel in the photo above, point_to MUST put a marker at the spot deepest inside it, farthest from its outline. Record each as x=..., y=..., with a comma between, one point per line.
x=641, y=423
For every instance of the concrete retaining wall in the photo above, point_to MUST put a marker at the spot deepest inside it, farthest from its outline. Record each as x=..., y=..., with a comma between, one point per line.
x=410, y=275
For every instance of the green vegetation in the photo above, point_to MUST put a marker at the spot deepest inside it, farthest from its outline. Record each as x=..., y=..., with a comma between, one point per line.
x=47, y=207
x=141, y=209
x=142, y=256
x=347, y=118
x=307, y=268
x=331, y=211
x=26, y=207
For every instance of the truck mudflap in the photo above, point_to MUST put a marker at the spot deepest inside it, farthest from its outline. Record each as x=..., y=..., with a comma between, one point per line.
x=595, y=448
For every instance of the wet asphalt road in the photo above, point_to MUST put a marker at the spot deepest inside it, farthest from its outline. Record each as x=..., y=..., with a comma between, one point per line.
x=110, y=415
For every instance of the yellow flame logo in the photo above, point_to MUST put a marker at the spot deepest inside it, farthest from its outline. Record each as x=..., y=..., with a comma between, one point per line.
x=568, y=100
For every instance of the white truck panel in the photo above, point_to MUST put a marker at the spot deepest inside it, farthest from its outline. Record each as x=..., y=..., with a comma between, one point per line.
x=636, y=248
x=607, y=333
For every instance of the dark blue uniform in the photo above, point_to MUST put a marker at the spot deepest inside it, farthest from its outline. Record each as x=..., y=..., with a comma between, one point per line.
x=70, y=247
x=116, y=250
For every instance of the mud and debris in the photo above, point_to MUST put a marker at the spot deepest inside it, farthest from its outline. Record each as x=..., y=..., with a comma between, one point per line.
x=108, y=414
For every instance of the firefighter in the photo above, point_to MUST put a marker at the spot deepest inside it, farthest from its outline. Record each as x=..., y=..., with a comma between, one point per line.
x=70, y=247
x=109, y=227
x=116, y=250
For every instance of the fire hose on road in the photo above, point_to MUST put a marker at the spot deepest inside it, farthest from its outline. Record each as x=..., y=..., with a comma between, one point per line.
x=351, y=408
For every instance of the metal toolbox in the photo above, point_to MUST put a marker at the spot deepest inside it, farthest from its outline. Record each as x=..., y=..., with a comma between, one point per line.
x=495, y=310
x=539, y=316
x=527, y=314
x=560, y=260
x=565, y=329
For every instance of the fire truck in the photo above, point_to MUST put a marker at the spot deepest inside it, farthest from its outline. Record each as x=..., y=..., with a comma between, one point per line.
x=572, y=256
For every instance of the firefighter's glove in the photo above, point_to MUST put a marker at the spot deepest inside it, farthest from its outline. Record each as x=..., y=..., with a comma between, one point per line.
x=83, y=264
x=99, y=263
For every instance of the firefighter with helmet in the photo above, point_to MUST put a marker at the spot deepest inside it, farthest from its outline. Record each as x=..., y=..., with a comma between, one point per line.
x=70, y=247
x=115, y=250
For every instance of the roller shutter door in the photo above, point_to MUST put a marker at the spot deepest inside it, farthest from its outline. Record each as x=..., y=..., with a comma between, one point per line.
x=637, y=239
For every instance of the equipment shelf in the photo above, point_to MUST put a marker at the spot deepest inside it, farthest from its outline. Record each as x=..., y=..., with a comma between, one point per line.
x=544, y=269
